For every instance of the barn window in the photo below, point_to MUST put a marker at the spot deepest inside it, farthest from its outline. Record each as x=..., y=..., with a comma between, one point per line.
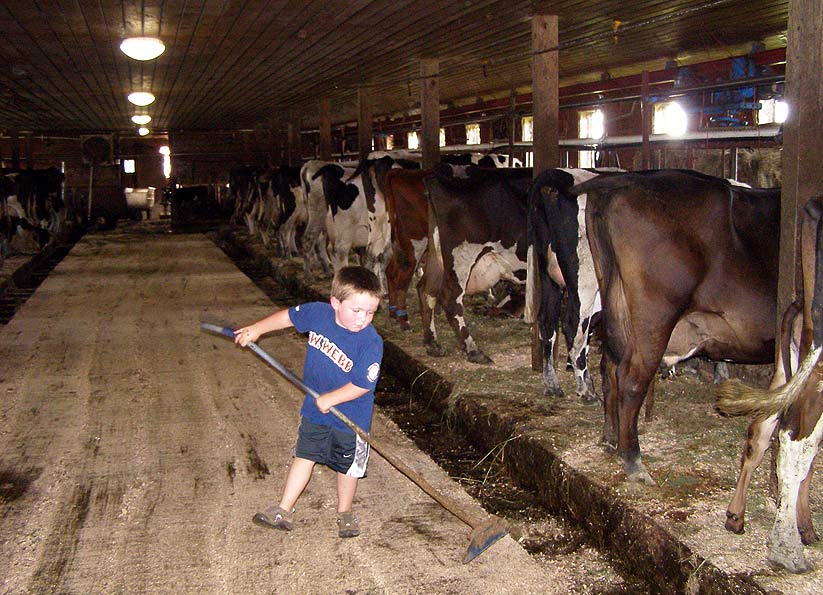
x=413, y=141
x=527, y=126
x=128, y=166
x=590, y=124
x=472, y=134
x=669, y=118
x=772, y=111
x=389, y=142
x=164, y=151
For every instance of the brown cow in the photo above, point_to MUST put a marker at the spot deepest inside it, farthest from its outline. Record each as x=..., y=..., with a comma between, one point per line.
x=684, y=261
x=408, y=216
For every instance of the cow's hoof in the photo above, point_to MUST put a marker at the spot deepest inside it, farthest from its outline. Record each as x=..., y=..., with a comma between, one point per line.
x=589, y=399
x=809, y=536
x=435, y=350
x=794, y=562
x=640, y=476
x=554, y=392
x=734, y=523
x=478, y=357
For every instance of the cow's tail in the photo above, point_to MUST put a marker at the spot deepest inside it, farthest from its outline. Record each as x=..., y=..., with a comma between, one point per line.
x=606, y=268
x=735, y=398
x=532, y=279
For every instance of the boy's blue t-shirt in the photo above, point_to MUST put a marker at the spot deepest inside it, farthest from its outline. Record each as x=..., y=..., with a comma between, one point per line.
x=336, y=356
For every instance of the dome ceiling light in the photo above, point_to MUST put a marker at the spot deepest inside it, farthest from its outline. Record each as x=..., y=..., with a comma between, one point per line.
x=142, y=131
x=141, y=119
x=141, y=98
x=142, y=48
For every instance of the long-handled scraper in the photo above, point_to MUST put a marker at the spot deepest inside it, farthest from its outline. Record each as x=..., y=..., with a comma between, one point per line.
x=484, y=532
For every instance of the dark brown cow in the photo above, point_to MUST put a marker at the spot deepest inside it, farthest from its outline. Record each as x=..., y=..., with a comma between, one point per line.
x=684, y=261
x=797, y=405
x=408, y=217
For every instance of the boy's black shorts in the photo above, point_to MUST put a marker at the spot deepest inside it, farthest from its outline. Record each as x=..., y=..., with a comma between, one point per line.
x=342, y=451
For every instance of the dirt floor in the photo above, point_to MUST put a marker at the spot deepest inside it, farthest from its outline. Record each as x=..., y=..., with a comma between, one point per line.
x=135, y=449
x=692, y=452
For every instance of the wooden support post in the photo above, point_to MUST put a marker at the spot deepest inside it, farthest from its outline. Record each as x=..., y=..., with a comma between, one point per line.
x=802, y=138
x=546, y=147
x=364, y=122
x=646, y=111
x=430, y=112
x=325, y=129
x=512, y=124
x=15, y=149
x=295, y=149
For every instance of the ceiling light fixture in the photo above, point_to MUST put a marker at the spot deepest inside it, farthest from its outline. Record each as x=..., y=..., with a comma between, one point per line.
x=142, y=131
x=141, y=119
x=142, y=48
x=141, y=98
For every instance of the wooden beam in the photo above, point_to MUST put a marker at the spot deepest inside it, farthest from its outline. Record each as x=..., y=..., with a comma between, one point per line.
x=545, y=92
x=430, y=112
x=802, y=177
x=294, y=148
x=546, y=147
x=364, y=122
x=325, y=129
x=646, y=110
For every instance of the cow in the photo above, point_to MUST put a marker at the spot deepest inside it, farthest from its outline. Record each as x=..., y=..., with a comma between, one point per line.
x=476, y=237
x=292, y=208
x=686, y=263
x=31, y=207
x=793, y=403
x=559, y=245
x=241, y=187
x=408, y=217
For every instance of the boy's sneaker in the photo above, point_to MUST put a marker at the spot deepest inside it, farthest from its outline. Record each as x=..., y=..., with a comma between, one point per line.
x=347, y=525
x=274, y=518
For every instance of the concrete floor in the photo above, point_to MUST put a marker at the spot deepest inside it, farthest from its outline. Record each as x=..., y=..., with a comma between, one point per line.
x=135, y=448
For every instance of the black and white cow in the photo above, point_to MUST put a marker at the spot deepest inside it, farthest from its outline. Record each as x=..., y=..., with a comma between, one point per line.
x=560, y=247
x=477, y=237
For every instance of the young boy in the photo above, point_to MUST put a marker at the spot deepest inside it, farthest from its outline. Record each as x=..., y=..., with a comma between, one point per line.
x=342, y=364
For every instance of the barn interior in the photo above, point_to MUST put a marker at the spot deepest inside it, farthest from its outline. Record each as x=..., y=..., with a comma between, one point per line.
x=266, y=83
x=730, y=88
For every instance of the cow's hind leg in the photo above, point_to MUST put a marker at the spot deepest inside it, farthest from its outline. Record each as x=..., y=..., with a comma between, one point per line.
x=608, y=372
x=453, y=307
x=794, y=464
x=805, y=527
x=426, y=292
x=399, y=273
x=757, y=441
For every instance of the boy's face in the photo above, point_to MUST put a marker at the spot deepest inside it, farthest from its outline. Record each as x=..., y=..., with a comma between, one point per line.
x=355, y=312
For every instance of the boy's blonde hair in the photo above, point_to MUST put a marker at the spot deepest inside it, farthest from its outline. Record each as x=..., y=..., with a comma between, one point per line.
x=355, y=279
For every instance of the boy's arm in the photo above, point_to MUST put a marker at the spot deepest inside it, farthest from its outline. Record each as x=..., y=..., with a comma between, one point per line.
x=347, y=392
x=248, y=334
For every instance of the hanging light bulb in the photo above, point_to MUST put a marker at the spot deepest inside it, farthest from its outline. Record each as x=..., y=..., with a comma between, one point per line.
x=141, y=119
x=142, y=48
x=142, y=131
x=141, y=98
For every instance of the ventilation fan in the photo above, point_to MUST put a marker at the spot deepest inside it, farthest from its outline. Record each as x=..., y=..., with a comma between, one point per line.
x=97, y=149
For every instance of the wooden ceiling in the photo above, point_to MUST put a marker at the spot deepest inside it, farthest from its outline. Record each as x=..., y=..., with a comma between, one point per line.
x=244, y=64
